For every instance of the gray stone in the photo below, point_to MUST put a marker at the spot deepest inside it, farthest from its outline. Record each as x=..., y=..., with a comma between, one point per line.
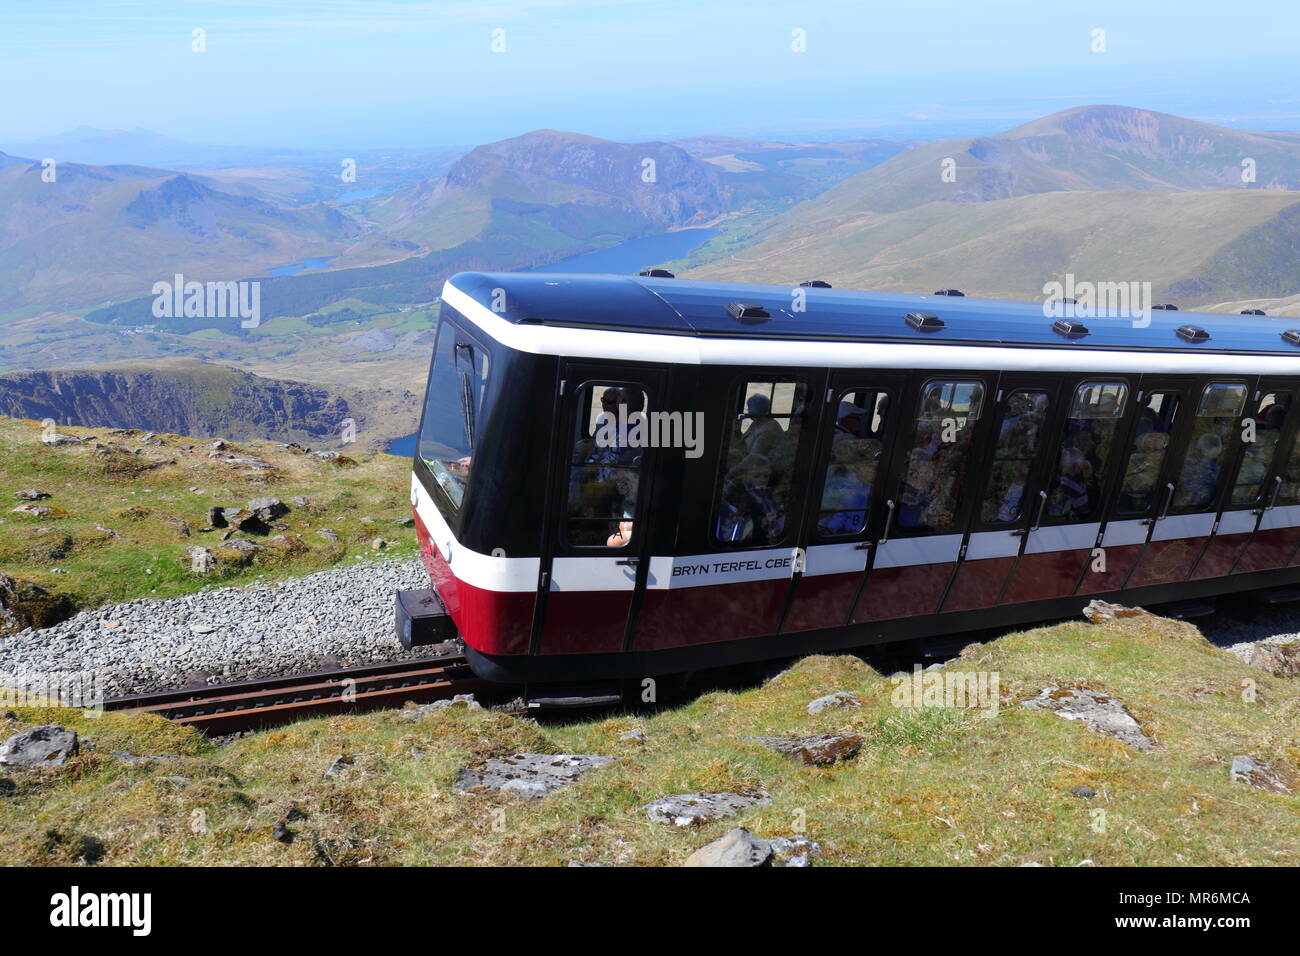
x=330, y=536
x=244, y=520
x=379, y=544
x=793, y=850
x=56, y=439
x=340, y=764
x=1103, y=612
x=300, y=501
x=820, y=750
x=1083, y=793
x=42, y=746
x=531, y=776
x=201, y=560
x=34, y=511
x=31, y=494
x=1099, y=713
x=634, y=734
x=694, y=809
x=1246, y=769
x=738, y=847
x=1279, y=658
x=216, y=517
x=407, y=522
x=466, y=701
x=268, y=509
x=839, y=698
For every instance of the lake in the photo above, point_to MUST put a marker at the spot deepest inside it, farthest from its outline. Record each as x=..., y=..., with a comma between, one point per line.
x=627, y=258
x=301, y=266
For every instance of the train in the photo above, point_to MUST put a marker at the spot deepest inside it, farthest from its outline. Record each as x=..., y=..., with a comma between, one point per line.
x=618, y=477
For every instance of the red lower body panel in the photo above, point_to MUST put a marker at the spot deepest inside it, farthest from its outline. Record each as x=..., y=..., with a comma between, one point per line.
x=672, y=617
x=903, y=592
x=585, y=622
x=1119, y=562
x=1269, y=549
x=1041, y=577
x=1165, y=562
x=979, y=584
x=1220, y=555
x=822, y=601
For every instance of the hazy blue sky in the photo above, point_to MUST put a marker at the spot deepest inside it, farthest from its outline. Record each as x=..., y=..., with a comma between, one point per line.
x=348, y=73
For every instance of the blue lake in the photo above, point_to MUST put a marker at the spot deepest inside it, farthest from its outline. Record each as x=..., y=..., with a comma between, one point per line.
x=627, y=258
x=301, y=266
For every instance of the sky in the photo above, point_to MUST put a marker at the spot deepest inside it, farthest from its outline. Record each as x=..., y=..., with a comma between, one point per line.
x=390, y=73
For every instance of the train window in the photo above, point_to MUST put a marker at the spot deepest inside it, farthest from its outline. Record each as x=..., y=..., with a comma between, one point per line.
x=1156, y=416
x=1075, y=492
x=1269, y=420
x=1019, y=438
x=931, y=493
x=1289, y=492
x=1212, y=435
x=855, y=450
x=458, y=378
x=605, y=466
x=758, y=468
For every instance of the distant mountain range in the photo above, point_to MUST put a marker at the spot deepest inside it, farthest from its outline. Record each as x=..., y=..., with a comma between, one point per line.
x=1104, y=192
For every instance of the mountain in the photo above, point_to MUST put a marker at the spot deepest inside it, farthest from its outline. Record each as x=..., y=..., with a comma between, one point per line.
x=1105, y=192
x=181, y=397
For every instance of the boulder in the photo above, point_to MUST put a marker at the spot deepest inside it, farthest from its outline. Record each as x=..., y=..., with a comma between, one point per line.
x=738, y=847
x=216, y=517
x=201, y=560
x=242, y=519
x=531, y=776
x=31, y=494
x=839, y=698
x=338, y=765
x=180, y=524
x=330, y=536
x=24, y=604
x=44, y=746
x=1103, y=612
x=1099, y=712
x=695, y=809
x=34, y=511
x=1279, y=658
x=379, y=544
x=1246, y=769
x=820, y=750
x=793, y=850
x=462, y=701
x=268, y=509
x=55, y=439
x=237, y=551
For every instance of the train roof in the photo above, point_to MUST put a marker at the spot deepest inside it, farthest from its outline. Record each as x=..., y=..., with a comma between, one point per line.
x=683, y=307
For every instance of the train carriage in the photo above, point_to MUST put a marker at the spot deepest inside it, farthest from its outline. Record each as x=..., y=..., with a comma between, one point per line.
x=618, y=477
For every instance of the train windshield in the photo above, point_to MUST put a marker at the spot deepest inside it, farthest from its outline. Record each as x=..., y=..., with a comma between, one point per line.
x=453, y=402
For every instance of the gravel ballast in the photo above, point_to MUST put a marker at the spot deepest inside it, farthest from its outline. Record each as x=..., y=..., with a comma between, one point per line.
x=339, y=616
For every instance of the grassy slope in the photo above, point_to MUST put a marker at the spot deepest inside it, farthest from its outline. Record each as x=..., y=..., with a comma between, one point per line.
x=932, y=786
x=1010, y=247
x=109, y=568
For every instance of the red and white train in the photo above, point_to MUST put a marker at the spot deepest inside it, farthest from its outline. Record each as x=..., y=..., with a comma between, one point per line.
x=618, y=477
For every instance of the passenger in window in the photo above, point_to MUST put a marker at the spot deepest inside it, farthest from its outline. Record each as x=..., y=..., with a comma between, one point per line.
x=748, y=512
x=1143, y=472
x=620, y=537
x=1200, y=473
x=848, y=486
x=1071, y=498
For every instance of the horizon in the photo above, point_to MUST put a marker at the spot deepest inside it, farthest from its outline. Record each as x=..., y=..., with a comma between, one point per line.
x=336, y=74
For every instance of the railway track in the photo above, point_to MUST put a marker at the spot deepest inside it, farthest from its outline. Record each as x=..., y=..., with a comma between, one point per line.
x=255, y=704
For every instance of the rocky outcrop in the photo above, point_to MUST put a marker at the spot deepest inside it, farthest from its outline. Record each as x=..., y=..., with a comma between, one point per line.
x=24, y=604
x=45, y=746
x=1099, y=712
x=183, y=397
x=695, y=809
x=531, y=776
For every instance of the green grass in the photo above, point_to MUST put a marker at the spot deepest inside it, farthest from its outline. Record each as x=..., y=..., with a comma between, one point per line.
x=132, y=496
x=931, y=787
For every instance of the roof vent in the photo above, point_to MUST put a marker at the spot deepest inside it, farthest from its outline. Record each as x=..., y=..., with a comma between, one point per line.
x=657, y=274
x=815, y=284
x=957, y=292
x=1253, y=312
x=1070, y=328
x=1193, y=333
x=748, y=312
x=1167, y=307
x=924, y=321
x=1292, y=336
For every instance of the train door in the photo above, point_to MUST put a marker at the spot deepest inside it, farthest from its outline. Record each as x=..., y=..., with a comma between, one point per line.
x=1061, y=541
x=929, y=497
x=1266, y=482
x=1013, y=492
x=1190, y=509
x=1161, y=411
x=596, y=556
x=847, y=487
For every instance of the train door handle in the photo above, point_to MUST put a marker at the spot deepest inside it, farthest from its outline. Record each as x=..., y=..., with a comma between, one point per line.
x=628, y=562
x=1169, y=500
x=1272, y=498
x=1038, y=517
x=889, y=520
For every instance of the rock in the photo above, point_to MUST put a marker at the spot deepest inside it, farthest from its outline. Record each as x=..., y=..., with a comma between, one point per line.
x=821, y=750
x=335, y=458
x=465, y=701
x=1103, y=612
x=1082, y=793
x=694, y=809
x=531, y=776
x=281, y=832
x=43, y=746
x=24, y=604
x=1279, y=658
x=299, y=501
x=287, y=543
x=180, y=524
x=328, y=535
x=238, y=551
x=1101, y=714
x=407, y=522
x=635, y=734
x=839, y=698
x=216, y=517
x=1247, y=769
x=244, y=520
x=217, y=445
x=340, y=763
x=34, y=511
x=793, y=850
x=201, y=560
x=738, y=847
x=56, y=439
x=379, y=544
x=268, y=509
x=7, y=787
x=31, y=494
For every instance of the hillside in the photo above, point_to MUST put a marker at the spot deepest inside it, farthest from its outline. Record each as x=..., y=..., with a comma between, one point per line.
x=930, y=785
x=122, y=508
x=1109, y=193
